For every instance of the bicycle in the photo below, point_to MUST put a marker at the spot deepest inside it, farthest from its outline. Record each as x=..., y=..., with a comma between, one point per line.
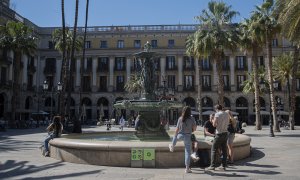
x=284, y=123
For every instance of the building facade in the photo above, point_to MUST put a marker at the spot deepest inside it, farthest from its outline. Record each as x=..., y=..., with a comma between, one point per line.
x=110, y=62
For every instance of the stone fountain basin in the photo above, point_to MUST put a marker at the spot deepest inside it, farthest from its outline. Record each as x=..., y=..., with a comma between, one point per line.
x=71, y=148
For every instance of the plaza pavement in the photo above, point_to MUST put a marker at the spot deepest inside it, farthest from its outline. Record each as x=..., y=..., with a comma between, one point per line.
x=271, y=158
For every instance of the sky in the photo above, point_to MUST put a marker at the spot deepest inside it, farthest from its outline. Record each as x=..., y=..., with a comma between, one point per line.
x=47, y=13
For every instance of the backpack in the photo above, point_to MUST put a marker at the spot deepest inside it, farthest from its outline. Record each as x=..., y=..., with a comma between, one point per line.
x=231, y=129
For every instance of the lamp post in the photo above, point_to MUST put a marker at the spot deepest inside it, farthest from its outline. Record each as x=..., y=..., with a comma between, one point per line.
x=59, y=89
x=262, y=86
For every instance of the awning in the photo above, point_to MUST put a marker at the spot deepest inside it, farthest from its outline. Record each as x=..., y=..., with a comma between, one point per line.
x=209, y=112
x=40, y=113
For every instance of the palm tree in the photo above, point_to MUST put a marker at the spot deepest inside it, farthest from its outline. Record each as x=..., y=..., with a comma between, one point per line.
x=215, y=34
x=63, y=67
x=17, y=37
x=83, y=52
x=264, y=16
x=191, y=51
x=57, y=37
x=72, y=60
x=248, y=85
x=288, y=12
x=252, y=40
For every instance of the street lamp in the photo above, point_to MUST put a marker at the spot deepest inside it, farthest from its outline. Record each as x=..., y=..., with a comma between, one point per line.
x=59, y=89
x=263, y=86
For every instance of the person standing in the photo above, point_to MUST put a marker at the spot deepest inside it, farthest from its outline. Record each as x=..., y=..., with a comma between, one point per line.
x=185, y=126
x=220, y=121
x=231, y=134
x=122, y=123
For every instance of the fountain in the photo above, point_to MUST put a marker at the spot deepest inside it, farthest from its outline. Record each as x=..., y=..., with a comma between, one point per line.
x=131, y=148
x=148, y=107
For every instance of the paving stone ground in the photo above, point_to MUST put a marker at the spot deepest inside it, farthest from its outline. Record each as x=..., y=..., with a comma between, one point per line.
x=271, y=158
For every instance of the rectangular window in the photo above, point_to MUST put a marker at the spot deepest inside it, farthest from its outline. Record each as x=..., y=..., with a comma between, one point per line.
x=274, y=42
x=188, y=62
x=120, y=83
x=86, y=83
x=120, y=63
x=171, y=43
x=240, y=81
x=156, y=64
x=103, y=83
x=3, y=75
x=171, y=62
x=189, y=82
x=50, y=81
x=120, y=44
x=51, y=44
x=103, y=44
x=154, y=43
x=241, y=62
x=206, y=64
x=226, y=65
x=103, y=63
x=261, y=62
x=87, y=44
x=226, y=82
x=137, y=44
x=206, y=83
x=89, y=64
x=171, y=81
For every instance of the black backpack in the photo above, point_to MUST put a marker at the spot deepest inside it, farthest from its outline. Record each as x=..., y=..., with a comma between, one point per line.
x=231, y=129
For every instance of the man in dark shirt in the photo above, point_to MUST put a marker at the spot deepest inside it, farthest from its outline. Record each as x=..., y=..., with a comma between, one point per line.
x=209, y=129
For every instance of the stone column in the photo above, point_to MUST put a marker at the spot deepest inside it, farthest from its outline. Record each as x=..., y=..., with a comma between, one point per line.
x=180, y=72
x=36, y=65
x=94, y=77
x=162, y=69
x=25, y=72
x=78, y=75
x=111, y=73
x=232, y=77
x=128, y=63
x=249, y=64
x=10, y=73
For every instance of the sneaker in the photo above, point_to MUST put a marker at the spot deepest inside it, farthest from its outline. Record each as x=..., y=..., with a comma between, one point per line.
x=47, y=154
x=188, y=170
x=230, y=162
x=221, y=168
x=194, y=157
x=210, y=168
x=171, y=147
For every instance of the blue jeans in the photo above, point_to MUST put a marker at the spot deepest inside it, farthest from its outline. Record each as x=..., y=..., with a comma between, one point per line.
x=187, y=146
x=46, y=141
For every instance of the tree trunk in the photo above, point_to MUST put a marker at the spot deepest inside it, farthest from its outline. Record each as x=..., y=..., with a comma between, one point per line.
x=220, y=79
x=15, y=89
x=199, y=99
x=256, y=88
x=63, y=67
x=293, y=89
x=270, y=77
x=72, y=59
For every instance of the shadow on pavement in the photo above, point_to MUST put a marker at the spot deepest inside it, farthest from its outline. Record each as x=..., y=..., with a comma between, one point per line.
x=288, y=135
x=13, y=169
x=9, y=144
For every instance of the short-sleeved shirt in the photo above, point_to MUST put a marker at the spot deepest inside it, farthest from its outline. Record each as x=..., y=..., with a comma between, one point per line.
x=187, y=126
x=210, y=128
x=222, y=119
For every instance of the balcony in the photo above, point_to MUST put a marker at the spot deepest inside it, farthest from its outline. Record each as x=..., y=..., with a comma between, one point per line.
x=174, y=68
x=206, y=68
x=49, y=70
x=88, y=70
x=102, y=89
x=241, y=68
x=120, y=69
x=190, y=88
x=102, y=69
x=226, y=88
x=5, y=84
x=189, y=68
x=206, y=88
